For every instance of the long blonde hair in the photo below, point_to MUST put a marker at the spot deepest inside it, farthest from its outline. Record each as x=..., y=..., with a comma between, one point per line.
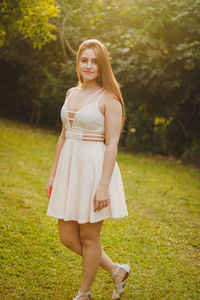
x=106, y=78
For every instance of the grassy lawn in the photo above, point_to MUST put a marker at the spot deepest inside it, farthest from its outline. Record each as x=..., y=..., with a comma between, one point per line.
x=159, y=238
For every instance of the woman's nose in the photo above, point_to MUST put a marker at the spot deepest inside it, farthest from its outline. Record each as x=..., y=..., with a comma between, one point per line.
x=89, y=64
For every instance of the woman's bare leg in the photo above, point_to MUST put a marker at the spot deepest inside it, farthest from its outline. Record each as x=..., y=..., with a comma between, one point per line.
x=70, y=236
x=91, y=252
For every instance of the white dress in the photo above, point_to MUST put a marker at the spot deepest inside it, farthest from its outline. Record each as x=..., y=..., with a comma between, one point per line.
x=80, y=167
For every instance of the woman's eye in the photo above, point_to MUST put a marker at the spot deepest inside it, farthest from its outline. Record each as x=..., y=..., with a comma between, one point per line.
x=83, y=60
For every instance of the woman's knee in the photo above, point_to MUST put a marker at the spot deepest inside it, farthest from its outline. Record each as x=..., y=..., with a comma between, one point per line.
x=88, y=241
x=90, y=234
x=64, y=240
x=68, y=232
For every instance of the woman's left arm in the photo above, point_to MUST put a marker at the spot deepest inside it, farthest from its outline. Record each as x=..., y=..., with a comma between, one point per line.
x=113, y=120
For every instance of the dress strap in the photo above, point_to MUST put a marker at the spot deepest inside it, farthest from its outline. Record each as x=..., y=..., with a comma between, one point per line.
x=71, y=93
x=93, y=95
x=99, y=98
x=77, y=88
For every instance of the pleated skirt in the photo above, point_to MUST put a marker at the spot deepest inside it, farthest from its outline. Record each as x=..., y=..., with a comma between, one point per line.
x=77, y=177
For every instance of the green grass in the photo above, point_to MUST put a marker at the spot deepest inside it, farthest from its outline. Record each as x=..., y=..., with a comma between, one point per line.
x=159, y=238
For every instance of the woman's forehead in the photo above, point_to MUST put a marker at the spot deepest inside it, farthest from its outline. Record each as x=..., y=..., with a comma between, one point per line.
x=88, y=53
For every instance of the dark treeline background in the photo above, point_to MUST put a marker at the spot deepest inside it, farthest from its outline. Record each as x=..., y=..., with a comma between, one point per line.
x=155, y=54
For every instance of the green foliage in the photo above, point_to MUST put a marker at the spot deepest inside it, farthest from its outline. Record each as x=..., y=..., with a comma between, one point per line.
x=154, y=49
x=31, y=19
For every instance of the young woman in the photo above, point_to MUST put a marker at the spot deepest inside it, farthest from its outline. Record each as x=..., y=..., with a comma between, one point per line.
x=85, y=185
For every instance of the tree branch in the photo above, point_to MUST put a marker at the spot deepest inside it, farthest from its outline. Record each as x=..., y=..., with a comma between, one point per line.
x=69, y=47
x=64, y=41
x=184, y=129
x=63, y=46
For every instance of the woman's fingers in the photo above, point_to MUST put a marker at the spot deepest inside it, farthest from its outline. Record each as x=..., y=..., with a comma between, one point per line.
x=99, y=204
x=104, y=203
x=48, y=190
x=95, y=205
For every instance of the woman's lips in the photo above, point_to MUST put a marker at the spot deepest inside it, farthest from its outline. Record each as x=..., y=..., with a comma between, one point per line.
x=88, y=72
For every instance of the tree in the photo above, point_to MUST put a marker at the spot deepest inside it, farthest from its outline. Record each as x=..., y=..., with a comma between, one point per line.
x=154, y=50
x=31, y=18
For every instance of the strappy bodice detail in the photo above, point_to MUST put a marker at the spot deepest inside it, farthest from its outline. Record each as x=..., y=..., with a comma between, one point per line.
x=89, y=99
x=86, y=123
x=80, y=166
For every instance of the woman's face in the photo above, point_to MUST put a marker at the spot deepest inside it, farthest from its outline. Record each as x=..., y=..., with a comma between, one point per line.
x=88, y=66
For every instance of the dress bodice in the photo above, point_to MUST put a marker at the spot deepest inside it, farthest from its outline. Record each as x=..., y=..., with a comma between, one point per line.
x=87, y=120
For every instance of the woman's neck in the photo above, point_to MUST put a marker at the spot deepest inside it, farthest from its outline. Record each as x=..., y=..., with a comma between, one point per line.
x=86, y=85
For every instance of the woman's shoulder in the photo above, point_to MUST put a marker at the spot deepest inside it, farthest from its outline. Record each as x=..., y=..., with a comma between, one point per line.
x=111, y=100
x=110, y=105
x=69, y=91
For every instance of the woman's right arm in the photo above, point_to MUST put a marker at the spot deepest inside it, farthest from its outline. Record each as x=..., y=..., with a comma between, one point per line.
x=60, y=143
x=59, y=146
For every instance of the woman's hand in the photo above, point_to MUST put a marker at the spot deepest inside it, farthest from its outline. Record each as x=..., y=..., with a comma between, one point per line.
x=49, y=186
x=101, y=198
